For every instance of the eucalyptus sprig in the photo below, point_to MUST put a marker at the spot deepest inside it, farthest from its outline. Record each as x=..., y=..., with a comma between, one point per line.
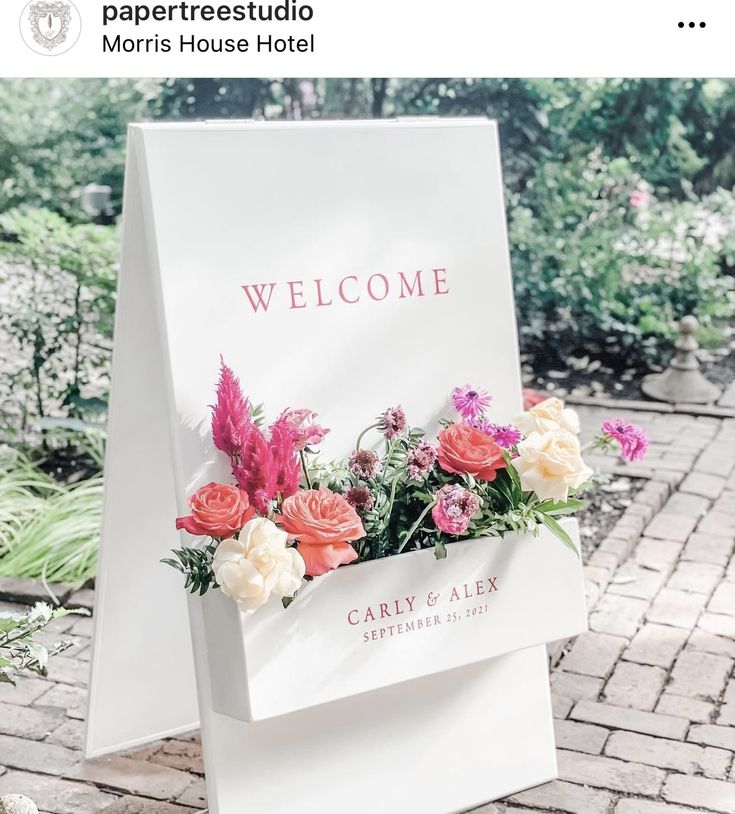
x=20, y=650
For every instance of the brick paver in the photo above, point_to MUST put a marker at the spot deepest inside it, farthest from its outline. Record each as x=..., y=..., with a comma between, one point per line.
x=644, y=702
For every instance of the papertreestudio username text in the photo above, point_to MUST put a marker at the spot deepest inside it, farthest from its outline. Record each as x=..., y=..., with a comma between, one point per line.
x=138, y=14
x=142, y=15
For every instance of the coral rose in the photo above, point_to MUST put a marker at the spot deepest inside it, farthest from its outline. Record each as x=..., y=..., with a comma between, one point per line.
x=465, y=450
x=324, y=524
x=217, y=510
x=550, y=463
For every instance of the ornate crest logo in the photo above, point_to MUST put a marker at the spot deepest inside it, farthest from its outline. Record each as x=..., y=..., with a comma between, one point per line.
x=50, y=26
x=50, y=23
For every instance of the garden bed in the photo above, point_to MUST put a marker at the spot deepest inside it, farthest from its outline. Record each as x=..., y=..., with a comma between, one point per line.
x=587, y=377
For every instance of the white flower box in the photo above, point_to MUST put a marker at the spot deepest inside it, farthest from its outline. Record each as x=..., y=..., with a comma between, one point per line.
x=382, y=622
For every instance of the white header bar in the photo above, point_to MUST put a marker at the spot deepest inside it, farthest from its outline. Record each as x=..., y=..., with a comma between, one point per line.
x=397, y=38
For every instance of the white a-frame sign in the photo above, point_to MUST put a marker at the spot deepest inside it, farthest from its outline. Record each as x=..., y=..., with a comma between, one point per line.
x=344, y=267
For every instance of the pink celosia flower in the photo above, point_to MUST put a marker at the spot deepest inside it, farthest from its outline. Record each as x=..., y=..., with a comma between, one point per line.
x=308, y=434
x=393, y=422
x=632, y=439
x=455, y=506
x=286, y=467
x=470, y=402
x=364, y=463
x=504, y=435
x=255, y=470
x=360, y=498
x=230, y=415
x=421, y=460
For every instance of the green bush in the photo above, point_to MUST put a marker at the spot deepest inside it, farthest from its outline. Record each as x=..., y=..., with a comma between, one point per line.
x=58, y=281
x=602, y=267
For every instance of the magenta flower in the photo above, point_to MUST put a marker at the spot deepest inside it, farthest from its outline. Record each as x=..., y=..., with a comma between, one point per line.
x=255, y=470
x=360, y=498
x=230, y=415
x=632, y=439
x=470, y=402
x=364, y=463
x=504, y=435
x=421, y=460
x=455, y=506
x=393, y=422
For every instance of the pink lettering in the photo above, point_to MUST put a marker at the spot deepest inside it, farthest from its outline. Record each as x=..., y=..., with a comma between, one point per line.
x=349, y=617
x=294, y=293
x=386, y=287
x=406, y=289
x=320, y=302
x=259, y=300
x=342, y=294
x=440, y=280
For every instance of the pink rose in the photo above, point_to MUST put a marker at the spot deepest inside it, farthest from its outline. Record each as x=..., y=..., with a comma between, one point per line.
x=217, y=510
x=324, y=524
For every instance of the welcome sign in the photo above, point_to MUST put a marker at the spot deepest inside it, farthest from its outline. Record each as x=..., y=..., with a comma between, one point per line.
x=343, y=267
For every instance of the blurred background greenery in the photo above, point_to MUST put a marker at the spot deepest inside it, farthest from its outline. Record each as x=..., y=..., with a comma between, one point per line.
x=620, y=207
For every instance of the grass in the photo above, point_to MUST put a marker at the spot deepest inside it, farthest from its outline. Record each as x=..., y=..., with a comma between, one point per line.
x=48, y=530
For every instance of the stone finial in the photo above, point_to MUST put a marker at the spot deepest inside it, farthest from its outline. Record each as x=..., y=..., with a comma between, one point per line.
x=682, y=381
x=17, y=804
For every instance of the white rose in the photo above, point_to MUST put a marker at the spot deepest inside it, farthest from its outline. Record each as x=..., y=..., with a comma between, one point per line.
x=550, y=464
x=550, y=414
x=258, y=565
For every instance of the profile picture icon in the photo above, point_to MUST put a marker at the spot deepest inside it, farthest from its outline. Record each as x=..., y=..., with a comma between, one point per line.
x=50, y=27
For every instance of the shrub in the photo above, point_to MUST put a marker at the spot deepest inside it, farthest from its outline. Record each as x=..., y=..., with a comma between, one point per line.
x=58, y=283
x=602, y=267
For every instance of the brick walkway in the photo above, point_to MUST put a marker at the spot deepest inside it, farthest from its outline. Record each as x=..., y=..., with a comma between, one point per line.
x=644, y=703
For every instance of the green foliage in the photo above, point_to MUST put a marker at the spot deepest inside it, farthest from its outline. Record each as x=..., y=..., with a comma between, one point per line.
x=59, y=281
x=19, y=647
x=48, y=530
x=595, y=273
x=57, y=136
x=196, y=565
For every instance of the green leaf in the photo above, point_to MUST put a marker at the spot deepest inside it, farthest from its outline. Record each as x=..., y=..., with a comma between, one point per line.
x=560, y=507
x=8, y=623
x=287, y=600
x=440, y=550
x=554, y=526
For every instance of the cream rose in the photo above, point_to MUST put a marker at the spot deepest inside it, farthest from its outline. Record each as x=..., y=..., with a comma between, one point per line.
x=550, y=464
x=550, y=414
x=258, y=565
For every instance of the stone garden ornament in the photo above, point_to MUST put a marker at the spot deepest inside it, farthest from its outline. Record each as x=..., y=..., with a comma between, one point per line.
x=682, y=381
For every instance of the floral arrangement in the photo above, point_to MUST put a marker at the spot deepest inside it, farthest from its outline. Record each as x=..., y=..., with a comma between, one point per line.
x=289, y=517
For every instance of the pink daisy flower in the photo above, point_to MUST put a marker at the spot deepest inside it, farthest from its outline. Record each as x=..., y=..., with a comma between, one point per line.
x=632, y=439
x=470, y=402
x=504, y=435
